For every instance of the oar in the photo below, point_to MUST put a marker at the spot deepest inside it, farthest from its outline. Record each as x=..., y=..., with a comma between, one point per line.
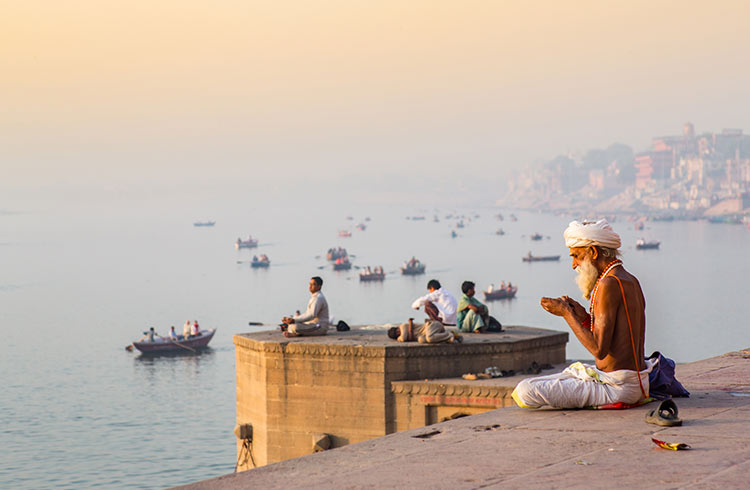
x=183, y=346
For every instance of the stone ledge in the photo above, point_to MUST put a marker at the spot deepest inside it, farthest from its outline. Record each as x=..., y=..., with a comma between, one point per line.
x=371, y=341
x=516, y=448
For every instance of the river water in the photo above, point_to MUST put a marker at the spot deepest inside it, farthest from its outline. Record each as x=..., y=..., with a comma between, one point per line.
x=80, y=281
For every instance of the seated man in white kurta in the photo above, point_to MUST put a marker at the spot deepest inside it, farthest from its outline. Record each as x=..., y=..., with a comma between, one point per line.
x=315, y=320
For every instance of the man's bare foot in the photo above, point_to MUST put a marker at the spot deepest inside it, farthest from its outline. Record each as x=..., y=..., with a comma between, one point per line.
x=289, y=334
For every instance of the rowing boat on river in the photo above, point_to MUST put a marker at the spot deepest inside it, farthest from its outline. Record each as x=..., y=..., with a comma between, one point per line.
x=165, y=344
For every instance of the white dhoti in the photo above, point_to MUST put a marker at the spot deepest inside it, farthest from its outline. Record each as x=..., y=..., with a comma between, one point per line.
x=582, y=385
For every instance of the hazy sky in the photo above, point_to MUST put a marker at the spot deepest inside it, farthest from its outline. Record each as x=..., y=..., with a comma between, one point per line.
x=109, y=92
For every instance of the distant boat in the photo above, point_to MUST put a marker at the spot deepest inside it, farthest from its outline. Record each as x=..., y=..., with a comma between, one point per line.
x=204, y=223
x=413, y=269
x=361, y=226
x=345, y=233
x=644, y=245
x=543, y=258
x=342, y=264
x=504, y=293
x=350, y=218
x=454, y=234
x=417, y=218
x=249, y=243
x=460, y=224
x=499, y=216
x=371, y=276
x=638, y=225
x=261, y=263
x=513, y=217
x=536, y=236
x=367, y=218
x=499, y=232
x=165, y=344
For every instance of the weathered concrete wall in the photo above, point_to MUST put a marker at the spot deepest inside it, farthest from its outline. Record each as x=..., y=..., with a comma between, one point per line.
x=290, y=389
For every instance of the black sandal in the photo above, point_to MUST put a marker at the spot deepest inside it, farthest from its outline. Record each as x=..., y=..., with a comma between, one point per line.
x=665, y=414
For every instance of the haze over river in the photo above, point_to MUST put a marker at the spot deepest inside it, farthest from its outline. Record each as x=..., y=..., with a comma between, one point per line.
x=80, y=282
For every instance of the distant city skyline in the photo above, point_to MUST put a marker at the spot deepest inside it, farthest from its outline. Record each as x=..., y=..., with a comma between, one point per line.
x=275, y=96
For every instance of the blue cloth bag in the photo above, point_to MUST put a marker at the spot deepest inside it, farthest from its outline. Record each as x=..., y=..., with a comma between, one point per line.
x=661, y=379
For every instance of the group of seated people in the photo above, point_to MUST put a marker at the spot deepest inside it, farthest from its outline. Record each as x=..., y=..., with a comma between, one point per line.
x=467, y=315
x=336, y=252
x=509, y=287
x=412, y=263
x=188, y=330
x=378, y=269
x=263, y=258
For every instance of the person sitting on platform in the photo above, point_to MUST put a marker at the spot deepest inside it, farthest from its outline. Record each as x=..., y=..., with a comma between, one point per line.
x=186, y=329
x=613, y=333
x=172, y=333
x=430, y=332
x=196, y=329
x=472, y=315
x=439, y=304
x=315, y=320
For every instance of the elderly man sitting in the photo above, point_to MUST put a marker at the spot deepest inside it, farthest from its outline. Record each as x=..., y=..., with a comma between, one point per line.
x=430, y=332
x=613, y=332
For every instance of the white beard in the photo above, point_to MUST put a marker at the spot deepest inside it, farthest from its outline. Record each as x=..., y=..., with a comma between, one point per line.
x=586, y=278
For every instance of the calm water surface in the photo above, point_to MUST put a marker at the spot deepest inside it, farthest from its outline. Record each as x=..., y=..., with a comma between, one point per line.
x=79, y=282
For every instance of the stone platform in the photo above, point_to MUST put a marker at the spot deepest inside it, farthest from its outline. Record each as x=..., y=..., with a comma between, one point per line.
x=518, y=448
x=293, y=390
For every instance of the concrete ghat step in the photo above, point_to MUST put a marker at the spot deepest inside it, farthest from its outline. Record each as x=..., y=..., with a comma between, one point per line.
x=516, y=448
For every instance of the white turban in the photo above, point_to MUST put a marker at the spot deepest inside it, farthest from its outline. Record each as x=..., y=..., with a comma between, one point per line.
x=591, y=233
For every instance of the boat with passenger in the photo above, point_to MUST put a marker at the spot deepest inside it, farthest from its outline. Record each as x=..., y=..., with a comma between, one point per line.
x=413, y=267
x=375, y=274
x=536, y=236
x=361, y=226
x=260, y=262
x=249, y=243
x=501, y=293
x=342, y=264
x=336, y=253
x=204, y=223
x=345, y=233
x=500, y=232
x=192, y=343
x=644, y=245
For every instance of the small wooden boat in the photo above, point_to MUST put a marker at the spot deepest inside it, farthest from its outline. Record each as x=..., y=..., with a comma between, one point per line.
x=204, y=223
x=345, y=233
x=460, y=224
x=500, y=231
x=165, y=344
x=536, y=236
x=504, y=293
x=543, y=258
x=413, y=270
x=249, y=243
x=644, y=245
x=260, y=264
x=454, y=234
x=342, y=265
x=372, y=276
x=361, y=226
x=638, y=225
